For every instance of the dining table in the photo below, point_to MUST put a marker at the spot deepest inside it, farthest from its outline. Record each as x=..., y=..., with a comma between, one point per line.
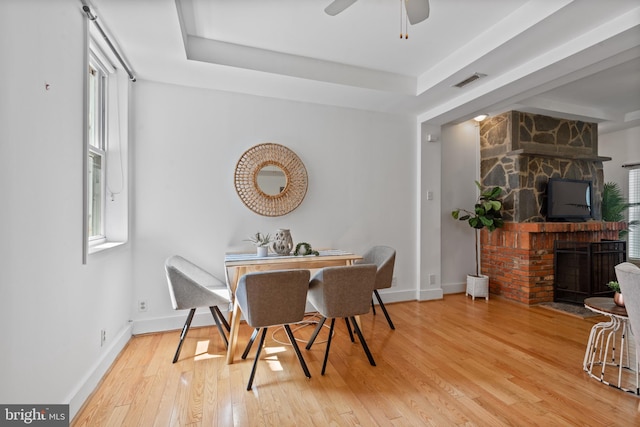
x=238, y=264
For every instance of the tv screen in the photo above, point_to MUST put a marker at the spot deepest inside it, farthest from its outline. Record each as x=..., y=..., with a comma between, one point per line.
x=568, y=199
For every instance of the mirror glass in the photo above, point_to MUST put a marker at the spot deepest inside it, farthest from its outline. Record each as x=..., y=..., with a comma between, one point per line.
x=271, y=180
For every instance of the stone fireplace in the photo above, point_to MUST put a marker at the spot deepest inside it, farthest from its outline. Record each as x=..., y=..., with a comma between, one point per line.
x=519, y=153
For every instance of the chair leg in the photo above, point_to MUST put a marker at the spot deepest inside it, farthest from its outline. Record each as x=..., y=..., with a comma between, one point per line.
x=250, y=343
x=222, y=318
x=185, y=328
x=362, y=341
x=384, y=309
x=326, y=353
x=346, y=320
x=219, y=326
x=315, y=333
x=255, y=362
x=373, y=307
x=294, y=344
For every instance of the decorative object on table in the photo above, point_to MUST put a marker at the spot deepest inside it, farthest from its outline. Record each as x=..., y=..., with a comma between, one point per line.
x=270, y=179
x=486, y=213
x=303, y=248
x=617, y=297
x=261, y=241
x=282, y=243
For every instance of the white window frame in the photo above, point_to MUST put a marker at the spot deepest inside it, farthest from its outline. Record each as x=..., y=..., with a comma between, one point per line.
x=97, y=145
x=111, y=145
x=633, y=238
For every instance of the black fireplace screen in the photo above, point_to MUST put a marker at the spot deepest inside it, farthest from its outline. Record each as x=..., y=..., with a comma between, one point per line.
x=583, y=269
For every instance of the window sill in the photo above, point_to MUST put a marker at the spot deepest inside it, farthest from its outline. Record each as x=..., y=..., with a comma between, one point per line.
x=103, y=246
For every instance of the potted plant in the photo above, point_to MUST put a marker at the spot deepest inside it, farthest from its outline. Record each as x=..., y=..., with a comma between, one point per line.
x=617, y=297
x=486, y=213
x=614, y=206
x=261, y=242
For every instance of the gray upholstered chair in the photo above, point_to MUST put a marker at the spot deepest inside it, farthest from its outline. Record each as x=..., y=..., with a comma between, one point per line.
x=191, y=287
x=384, y=257
x=342, y=292
x=628, y=276
x=271, y=298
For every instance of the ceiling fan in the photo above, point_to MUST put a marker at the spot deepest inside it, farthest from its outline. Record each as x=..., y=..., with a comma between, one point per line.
x=417, y=10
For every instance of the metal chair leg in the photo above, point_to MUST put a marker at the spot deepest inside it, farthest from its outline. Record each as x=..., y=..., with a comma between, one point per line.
x=362, y=341
x=250, y=343
x=222, y=318
x=373, y=307
x=294, y=344
x=255, y=362
x=346, y=320
x=384, y=309
x=315, y=333
x=219, y=326
x=185, y=328
x=326, y=353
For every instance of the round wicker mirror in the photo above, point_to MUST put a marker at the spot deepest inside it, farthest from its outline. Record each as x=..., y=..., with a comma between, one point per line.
x=255, y=188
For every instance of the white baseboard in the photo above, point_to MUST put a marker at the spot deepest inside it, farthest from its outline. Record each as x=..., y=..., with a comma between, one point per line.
x=91, y=380
x=454, y=288
x=430, y=294
x=203, y=316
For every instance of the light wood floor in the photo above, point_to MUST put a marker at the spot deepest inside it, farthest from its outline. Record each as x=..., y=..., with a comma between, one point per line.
x=449, y=362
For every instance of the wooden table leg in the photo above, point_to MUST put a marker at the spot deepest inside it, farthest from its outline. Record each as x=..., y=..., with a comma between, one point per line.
x=233, y=334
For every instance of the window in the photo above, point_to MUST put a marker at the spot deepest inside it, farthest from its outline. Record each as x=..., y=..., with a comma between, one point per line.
x=97, y=134
x=105, y=218
x=106, y=153
x=634, y=214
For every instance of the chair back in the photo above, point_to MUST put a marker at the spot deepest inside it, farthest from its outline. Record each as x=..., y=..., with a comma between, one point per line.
x=628, y=276
x=384, y=257
x=190, y=286
x=343, y=291
x=273, y=297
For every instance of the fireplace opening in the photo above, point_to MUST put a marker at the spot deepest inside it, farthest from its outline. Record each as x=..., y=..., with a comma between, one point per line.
x=583, y=269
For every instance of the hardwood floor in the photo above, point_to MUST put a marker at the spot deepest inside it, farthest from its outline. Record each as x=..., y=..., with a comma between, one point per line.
x=449, y=362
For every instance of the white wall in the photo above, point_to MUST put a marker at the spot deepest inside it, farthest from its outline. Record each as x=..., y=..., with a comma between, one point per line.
x=460, y=168
x=623, y=147
x=362, y=170
x=53, y=306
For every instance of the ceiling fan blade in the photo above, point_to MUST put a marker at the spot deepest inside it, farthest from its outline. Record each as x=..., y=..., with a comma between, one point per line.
x=338, y=6
x=417, y=10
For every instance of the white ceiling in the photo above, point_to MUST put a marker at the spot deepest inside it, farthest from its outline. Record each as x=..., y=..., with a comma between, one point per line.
x=577, y=59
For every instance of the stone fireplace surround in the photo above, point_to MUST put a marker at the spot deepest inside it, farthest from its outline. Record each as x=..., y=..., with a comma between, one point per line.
x=519, y=153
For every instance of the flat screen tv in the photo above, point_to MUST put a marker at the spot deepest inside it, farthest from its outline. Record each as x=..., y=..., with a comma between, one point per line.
x=568, y=200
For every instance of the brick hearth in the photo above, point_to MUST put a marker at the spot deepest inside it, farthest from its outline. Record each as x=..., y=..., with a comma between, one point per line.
x=518, y=258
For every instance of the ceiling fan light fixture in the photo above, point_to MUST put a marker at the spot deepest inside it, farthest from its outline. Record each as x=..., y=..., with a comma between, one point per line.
x=472, y=78
x=480, y=117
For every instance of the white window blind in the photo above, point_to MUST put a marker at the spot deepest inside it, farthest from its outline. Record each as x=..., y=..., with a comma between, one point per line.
x=634, y=213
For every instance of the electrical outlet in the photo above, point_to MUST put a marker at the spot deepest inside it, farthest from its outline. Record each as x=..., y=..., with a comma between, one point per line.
x=103, y=337
x=142, y=305
x=432, y=279
x=394, y=281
